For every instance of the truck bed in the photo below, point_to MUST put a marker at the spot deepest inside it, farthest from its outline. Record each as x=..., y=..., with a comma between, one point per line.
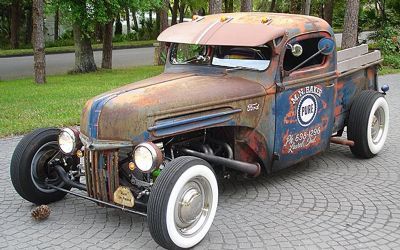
x=356, y=57
x=357, y=71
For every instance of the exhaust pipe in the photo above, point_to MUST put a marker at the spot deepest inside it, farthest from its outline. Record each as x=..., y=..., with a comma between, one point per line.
x=248, y=168
x=64, y=177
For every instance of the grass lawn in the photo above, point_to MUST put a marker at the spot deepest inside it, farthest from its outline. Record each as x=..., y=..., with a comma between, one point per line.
x=65, y=49
x=25, y=105
x=387, y=70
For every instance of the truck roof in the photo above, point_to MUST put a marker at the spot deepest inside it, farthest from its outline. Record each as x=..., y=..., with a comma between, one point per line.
x=242, y=29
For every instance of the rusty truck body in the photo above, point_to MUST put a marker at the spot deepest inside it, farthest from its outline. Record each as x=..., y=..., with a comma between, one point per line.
x=241, y=92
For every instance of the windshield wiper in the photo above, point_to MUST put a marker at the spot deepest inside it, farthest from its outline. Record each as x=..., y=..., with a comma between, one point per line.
x=242, y=68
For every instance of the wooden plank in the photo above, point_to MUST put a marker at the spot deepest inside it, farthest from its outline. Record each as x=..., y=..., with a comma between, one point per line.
x=352, y=52
x=359, y=61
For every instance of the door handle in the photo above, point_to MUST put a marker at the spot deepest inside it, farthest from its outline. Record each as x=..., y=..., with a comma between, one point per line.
x=329, y=85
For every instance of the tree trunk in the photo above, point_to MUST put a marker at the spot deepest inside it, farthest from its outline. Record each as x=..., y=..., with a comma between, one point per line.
x=150, y=18
x=38, y=41
x=228, y=6
x=28, y=31
x=162, y=50
x=246, y=5
x=106, y=62
x=328, y=11
x=350, y=34
x=182, y=8
x=15, y=23
x=118, y=25
x=215, y=6
x=128, y=21
x=56, y=23
x=295, y=6
x=84, y=59
x=135, y=21
x=174, y=12
x=307, y=7
x=273, y=5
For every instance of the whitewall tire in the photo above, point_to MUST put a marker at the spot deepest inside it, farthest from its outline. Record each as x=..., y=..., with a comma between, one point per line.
x=368, y=124
x=182, y=203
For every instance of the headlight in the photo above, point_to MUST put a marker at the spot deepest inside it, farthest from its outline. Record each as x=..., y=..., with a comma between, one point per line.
x=67, y=140
x=147, y=157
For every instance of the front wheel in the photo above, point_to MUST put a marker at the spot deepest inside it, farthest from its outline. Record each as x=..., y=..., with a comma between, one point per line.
x=182, y=203
x=29, y=167
x=368, y=124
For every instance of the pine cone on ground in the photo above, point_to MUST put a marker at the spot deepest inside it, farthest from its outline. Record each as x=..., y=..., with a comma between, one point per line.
x=41, y=212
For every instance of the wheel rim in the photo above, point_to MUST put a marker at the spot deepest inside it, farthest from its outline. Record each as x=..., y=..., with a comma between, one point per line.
x=39, y=171
x=378, y=125
x=192, y=209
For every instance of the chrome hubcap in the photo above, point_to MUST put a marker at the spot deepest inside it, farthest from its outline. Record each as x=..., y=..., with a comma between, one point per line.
x=193, y=206
x=378, y=125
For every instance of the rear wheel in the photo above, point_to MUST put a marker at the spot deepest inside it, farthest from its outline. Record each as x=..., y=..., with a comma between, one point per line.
x=182, y=203
x=29, y=167
x=368, y=124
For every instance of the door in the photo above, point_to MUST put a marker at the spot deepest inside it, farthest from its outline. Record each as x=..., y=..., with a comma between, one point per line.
x=304, y=108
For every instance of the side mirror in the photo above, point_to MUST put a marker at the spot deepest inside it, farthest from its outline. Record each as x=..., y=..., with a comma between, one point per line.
x=296, y=49
x=326, y=46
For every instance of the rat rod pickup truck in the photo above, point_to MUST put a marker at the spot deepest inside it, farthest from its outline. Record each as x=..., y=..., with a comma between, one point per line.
x=241, y=92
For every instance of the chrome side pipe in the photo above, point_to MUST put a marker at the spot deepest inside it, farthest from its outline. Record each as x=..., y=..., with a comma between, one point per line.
x=248, y=168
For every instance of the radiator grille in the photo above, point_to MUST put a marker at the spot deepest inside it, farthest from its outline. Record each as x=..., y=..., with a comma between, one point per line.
x=101, y=170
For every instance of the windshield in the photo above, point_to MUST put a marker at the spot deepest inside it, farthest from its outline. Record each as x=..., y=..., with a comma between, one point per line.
x=252, y=58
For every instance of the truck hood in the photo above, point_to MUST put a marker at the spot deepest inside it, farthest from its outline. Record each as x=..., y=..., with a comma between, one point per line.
x=128, y=113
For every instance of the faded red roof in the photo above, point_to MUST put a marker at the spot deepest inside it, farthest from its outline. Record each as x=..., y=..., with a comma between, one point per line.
x=241, y=29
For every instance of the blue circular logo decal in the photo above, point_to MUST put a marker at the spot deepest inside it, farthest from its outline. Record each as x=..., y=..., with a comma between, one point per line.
x=307, y=110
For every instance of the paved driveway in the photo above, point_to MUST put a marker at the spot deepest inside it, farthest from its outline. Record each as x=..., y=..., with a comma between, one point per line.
x=329, y=201
x=17, y=67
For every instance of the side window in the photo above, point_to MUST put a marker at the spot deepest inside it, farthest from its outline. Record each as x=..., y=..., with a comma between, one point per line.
x=310, y=47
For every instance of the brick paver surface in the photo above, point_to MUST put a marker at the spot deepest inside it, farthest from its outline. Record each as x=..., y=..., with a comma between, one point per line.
x=330, y=201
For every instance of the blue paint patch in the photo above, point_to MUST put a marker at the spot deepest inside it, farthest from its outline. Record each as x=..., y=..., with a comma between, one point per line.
x=94, y=114
x=143, y=137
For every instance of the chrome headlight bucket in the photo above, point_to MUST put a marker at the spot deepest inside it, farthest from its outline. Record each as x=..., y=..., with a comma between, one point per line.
x=147, y=157
x=68, y=140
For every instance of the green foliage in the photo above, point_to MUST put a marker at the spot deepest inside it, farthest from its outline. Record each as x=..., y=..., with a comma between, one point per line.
x=25, y=105
x=388, y=39
x=392, y=60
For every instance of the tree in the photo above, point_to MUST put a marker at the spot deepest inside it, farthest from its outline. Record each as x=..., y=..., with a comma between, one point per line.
x=215, y=6
x=56, y=23
x=174, y=12
x=106, y=62
x=228, y=6
x=246, y=6
x=128, y=20
x=350, y=28
x=163, y=15
x=328, y=11
x=295, y=6
x=15, y=23
x=84, y=58
x=307, y=7
x=38, y=41
x=272, y=7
